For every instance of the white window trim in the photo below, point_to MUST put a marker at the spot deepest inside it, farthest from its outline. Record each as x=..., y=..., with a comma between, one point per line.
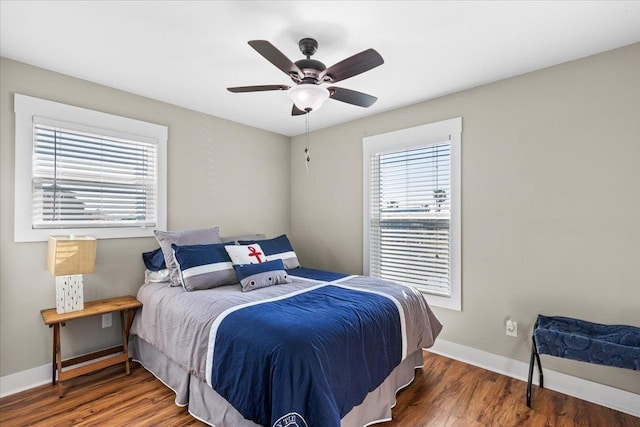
x=25, y=108
x=446, y=130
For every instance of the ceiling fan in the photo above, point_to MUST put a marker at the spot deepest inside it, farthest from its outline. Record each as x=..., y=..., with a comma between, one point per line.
x=308, y=74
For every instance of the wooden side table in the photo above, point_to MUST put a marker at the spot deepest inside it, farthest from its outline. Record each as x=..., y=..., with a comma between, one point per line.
x=126, y=305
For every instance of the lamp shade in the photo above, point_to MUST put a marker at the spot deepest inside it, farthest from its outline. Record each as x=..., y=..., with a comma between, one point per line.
x=69, y=255
x=308, y=96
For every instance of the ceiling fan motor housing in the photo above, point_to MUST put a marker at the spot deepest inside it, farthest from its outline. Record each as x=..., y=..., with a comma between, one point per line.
x=311, y=70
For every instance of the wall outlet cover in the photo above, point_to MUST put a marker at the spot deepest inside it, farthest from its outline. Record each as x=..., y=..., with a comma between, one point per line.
x=512, y=328
x=107, y=320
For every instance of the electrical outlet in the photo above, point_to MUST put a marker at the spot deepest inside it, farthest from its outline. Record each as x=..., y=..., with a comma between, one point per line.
x=512, y=328
x=107, y=320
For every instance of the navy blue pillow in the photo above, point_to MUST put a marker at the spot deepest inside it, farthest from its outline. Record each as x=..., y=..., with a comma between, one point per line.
x=277, y=248
x=154, y=260
x=204, y=266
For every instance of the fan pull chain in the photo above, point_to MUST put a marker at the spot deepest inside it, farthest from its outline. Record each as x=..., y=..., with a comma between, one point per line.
x=307, y=155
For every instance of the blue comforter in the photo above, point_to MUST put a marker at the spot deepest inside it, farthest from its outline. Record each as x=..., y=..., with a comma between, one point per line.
x=314, y=353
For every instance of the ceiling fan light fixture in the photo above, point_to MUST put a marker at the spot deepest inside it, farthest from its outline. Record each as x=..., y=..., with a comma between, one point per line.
x=308, y=96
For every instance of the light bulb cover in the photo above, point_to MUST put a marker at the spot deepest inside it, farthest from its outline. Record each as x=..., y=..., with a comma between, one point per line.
x=308, y=96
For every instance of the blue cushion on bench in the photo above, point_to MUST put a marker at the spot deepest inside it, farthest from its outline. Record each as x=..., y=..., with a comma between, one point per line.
x=610, y=345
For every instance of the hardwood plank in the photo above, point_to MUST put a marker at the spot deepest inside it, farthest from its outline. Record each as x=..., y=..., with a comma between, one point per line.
x=444, y=393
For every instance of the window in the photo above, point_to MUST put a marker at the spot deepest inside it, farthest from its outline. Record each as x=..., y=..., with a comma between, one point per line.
x=86, y=172
x=412, y=209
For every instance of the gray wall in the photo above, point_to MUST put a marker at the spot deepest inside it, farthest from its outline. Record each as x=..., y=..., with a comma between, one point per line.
x=211, y=181
x=550, y=202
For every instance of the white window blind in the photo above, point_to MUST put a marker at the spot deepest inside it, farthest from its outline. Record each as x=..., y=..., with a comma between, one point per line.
x=411, y=217
x=88, y=179
x=81, y=171
x=412, y=209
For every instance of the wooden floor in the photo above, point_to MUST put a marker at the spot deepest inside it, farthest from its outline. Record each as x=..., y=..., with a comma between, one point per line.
x=445, y=393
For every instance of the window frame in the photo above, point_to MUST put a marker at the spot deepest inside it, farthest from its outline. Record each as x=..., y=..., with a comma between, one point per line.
x=26, y=108
x=415, y=137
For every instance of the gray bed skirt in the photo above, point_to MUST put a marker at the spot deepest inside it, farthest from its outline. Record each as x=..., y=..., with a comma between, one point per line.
x=209, y=407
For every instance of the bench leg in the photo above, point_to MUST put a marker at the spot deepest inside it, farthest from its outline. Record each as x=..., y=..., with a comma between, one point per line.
x=530, y=379
x=539, y=364
x=535, y=357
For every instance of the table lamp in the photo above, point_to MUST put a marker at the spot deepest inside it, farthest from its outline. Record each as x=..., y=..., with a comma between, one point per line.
x=68, y=258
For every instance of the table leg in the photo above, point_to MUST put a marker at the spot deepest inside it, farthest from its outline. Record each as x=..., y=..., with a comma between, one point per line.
x=125, y=336
x=53, y=355
x=126, y=320
x=57, y=355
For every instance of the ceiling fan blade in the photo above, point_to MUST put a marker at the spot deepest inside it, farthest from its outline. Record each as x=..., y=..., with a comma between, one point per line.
x=351, y=96
x=295, y=111
x=277, y=58
x=352, y=66
x=257, y=88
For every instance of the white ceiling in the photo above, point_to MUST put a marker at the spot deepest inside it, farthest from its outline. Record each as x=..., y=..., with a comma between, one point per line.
x=188, y=52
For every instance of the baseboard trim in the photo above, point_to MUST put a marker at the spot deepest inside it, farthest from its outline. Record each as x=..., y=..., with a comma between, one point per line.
x=24, y=380
x=34, y=377
x=610, y=397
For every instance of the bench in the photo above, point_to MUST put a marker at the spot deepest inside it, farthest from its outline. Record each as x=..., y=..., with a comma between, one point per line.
x=610, y=345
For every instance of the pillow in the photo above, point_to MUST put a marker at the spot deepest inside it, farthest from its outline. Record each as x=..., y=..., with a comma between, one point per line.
x=154, y=260
x=234, y=239
x=158, y=276
x=256, y=276
x=186, y=237
x=204, y=266
x=277, y=248
x=246, y=254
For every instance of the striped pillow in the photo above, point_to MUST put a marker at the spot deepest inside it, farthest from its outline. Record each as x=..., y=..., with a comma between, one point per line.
x=203, y=236
x=204, y=266
x=277, y=248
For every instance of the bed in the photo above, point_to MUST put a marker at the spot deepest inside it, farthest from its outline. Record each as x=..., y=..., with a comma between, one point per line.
x=325, y=349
